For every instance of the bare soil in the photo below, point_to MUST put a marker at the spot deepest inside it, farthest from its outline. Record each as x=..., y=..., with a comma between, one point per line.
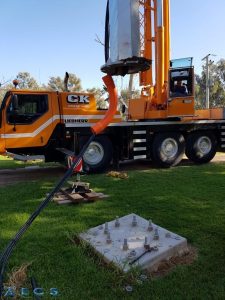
x=145, y=165
x=167, y=266
x=12, y=176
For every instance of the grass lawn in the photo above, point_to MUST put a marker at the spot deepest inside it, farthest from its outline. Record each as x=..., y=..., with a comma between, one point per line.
x=9, y=163
x=188, y=200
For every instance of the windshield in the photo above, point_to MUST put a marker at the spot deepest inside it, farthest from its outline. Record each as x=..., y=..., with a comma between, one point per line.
x=3, y=105
x=4, y=101
x=181, y=63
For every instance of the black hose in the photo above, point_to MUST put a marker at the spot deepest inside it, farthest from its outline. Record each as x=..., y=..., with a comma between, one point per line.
x=107, y=33
x=34, y=286
x=8, y=250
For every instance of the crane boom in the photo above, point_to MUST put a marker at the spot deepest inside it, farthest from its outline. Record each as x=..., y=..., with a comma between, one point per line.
x=138, y=41
x=155, y=22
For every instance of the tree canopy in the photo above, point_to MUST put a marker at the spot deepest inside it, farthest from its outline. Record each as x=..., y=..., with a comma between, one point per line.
x=99, y=96
x=217, y=85
x=26, y=81
x=57, y=83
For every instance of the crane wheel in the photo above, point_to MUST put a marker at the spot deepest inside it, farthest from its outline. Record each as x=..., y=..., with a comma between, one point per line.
x=168, y=149
x=98, y=156
x=201, y=147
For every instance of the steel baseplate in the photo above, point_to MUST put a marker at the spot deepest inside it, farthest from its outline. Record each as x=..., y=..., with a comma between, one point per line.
x=132, y=241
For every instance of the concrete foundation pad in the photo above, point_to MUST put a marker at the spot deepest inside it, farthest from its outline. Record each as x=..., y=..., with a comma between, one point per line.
x=123, y=242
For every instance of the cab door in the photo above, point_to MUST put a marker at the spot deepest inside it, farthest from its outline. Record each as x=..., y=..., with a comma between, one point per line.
x=2, y=128
x=28, y=120
x=181, y=101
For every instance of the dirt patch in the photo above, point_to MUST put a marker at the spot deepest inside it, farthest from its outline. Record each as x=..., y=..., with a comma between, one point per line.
x=147, y=164
x=168, y=266
x=10, y=176
x=220, y=157
x=121, y=175
x=18, y=278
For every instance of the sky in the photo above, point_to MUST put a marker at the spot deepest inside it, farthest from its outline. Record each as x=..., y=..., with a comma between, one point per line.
x=48, y=37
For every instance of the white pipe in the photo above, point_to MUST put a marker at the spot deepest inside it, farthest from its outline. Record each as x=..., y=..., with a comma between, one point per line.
x=160, y=13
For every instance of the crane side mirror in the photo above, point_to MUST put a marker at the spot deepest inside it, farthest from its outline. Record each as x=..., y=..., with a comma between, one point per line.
x=15, y=103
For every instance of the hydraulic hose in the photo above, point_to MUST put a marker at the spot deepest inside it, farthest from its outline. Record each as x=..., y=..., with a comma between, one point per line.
x=101, y=125
x=96, y=129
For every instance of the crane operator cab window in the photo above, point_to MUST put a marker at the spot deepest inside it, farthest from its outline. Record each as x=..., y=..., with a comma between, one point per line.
x=25, y=109
x=181, y=78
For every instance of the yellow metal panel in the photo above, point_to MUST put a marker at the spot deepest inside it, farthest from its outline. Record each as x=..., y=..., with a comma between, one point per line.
x=217, y=113
x=181, y=107
x=157, y=114
x=202, y=114
x=36, y=134
x=2, y=145
x=137, y=109
x=85, y=111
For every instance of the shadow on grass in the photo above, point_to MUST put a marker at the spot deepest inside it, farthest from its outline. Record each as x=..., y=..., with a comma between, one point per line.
x=186, y=200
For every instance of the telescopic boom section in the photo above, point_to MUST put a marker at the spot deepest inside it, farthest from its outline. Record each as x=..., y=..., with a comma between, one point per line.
x=157, y=48
x=166, y=18
x=138, y=33
x=161, y=53
x=146, y=30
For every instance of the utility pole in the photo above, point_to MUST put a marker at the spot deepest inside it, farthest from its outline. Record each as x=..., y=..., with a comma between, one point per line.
x=130, y=88
x=208, y=63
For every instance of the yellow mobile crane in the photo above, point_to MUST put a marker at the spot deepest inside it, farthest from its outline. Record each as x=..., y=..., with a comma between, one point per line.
x=161, y=125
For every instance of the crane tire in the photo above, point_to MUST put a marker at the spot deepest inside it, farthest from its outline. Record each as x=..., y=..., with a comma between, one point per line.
x=201, y=147
x=98, y=156
x=168, y=149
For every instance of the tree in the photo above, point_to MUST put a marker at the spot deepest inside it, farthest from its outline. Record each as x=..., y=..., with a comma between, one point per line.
x=200, y=95
x=126, y=95
x=26, y=81
x=99, y=96
x=57, y=83
x=4, y=87
x=217, y=85
x=221, y=71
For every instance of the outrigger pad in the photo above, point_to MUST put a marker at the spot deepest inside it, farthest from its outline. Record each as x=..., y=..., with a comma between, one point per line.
x=127, y=66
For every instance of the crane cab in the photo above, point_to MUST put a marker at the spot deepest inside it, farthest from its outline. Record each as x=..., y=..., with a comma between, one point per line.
x=181, y=88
